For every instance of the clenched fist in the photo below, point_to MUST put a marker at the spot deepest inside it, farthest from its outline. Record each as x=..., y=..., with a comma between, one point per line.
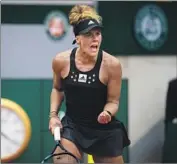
x=54, y=122
x=104, y=117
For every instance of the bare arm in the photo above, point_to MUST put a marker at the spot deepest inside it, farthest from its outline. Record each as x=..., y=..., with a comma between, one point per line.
x=114, y=87
x=57, y=95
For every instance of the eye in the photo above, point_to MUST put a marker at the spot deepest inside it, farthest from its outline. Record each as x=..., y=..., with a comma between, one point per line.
x=88, y=34
x=98, y=33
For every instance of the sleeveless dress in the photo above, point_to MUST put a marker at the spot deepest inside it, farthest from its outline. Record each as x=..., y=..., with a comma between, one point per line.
x=85, y=97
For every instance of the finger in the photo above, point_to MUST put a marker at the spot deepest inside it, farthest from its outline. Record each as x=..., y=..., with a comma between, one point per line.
x=50, y=128
x=61, y=126
x=52, y=131
x=101, y=115
x=106, y=119
x=103, y=120
x=107, y=116
x=100, y=120
x=58, y=123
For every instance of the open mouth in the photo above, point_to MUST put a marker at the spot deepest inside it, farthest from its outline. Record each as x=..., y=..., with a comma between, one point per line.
x=94, y=47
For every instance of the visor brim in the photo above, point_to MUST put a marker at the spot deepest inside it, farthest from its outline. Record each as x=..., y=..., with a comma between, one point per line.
x=91, y=28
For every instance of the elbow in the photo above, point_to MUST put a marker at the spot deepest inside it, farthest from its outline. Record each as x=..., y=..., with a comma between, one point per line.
x=58, y=93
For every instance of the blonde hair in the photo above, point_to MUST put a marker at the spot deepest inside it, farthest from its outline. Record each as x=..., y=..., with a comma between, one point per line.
x=82, y=12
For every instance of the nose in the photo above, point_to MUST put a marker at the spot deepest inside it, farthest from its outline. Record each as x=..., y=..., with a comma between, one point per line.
x=95, y=37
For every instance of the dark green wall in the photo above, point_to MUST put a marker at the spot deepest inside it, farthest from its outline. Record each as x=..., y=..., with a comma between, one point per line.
x=34, y=97
x=118, y=21
x=27, y=94
x=32, y=14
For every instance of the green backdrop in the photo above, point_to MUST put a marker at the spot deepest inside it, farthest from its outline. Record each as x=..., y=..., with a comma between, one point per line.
x=34, y=97
x=118, y=33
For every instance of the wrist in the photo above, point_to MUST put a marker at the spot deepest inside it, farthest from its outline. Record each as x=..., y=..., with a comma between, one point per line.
x=109, y=113
x=53, y=114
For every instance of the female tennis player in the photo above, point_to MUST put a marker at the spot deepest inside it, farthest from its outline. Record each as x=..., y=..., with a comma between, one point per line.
x=90, y=81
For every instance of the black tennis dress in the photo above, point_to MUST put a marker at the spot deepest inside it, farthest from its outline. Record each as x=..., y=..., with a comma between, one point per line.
x=85, y=97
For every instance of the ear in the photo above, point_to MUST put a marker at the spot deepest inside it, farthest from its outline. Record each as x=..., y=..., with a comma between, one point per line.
x=77, y=40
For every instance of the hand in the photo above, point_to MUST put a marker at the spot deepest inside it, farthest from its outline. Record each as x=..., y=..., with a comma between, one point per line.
x=104, y=117
x=53, y=123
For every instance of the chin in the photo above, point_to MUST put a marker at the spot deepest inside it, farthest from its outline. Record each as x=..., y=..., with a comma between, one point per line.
x=93, y=54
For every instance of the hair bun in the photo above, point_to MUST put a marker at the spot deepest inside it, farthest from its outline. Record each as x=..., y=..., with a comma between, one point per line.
x=81, y=12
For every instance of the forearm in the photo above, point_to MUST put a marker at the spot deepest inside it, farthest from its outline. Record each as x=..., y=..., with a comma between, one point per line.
x=112, y=107
x=55, y=101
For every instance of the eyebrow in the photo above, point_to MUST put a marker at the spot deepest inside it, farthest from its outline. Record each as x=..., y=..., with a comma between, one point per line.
x=96, y=30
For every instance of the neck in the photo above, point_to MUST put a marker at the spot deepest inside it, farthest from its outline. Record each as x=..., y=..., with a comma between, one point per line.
x=84, y=57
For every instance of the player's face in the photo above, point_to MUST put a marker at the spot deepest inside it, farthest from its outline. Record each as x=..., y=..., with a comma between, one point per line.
x=90, y=42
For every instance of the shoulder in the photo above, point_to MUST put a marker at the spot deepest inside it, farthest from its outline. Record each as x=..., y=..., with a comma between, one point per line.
x=173, y=83
x=112, y=62
x=61, y=59
x=62, y=56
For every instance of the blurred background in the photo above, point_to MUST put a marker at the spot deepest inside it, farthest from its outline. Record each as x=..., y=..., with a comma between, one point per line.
x=143, y=35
